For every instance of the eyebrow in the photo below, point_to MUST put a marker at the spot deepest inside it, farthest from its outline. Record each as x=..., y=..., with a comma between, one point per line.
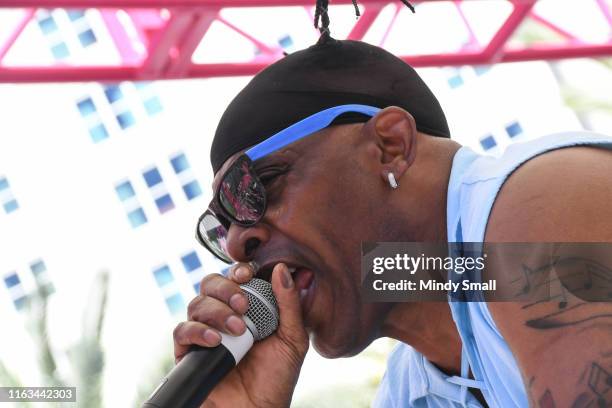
x=264, y=161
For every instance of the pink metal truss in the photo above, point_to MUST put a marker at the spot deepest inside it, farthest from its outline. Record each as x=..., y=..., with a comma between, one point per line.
x=171, y=40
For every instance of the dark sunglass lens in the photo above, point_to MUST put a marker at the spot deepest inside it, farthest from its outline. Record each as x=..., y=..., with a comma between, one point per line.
x=241, y=194
x=214, y=236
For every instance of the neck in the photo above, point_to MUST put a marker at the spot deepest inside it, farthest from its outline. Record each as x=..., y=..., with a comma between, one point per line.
x=426, y=326
x=429, y=328
x=421, y=206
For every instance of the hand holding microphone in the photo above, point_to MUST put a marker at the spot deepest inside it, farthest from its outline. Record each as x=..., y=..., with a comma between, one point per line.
x=268, y=372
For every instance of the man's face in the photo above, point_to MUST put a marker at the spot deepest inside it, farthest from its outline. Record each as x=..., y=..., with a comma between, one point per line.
x=324, y=198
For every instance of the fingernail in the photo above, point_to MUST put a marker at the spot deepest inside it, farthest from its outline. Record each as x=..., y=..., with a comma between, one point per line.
x=238, y=302
x=243, y=273
x=286, y=278
x=235, y=325
x=211, y=337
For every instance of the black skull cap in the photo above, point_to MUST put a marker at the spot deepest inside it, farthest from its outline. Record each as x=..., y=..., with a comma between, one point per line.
x=325, y=75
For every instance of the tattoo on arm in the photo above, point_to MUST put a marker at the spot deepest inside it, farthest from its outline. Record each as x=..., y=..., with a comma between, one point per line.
x=599, y=394
x=562, y=291
x=546, y=400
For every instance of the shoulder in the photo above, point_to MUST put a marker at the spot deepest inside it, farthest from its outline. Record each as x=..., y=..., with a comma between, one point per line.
x=562, y=195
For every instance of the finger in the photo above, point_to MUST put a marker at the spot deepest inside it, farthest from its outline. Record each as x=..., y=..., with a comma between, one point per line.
x=188, y=333
x=206, y=309
x=219, y=287
x=242, y=272
x=291, y=326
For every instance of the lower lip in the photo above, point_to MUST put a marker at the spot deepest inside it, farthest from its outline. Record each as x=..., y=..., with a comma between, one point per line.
x=305, y=282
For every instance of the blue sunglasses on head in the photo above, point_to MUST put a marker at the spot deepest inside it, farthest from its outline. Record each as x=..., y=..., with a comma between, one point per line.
x=241, y=196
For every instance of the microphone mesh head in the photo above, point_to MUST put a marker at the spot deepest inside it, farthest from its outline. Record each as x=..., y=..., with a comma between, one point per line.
x=263, y=309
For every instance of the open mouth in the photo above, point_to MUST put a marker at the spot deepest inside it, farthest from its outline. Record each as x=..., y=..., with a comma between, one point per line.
x=303, y=278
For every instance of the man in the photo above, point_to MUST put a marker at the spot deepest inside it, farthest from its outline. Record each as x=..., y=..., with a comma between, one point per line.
x=361, y=152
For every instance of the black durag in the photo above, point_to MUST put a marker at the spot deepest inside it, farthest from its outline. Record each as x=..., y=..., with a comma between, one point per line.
x=328, y=74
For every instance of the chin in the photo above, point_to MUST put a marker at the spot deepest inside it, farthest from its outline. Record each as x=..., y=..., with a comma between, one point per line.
x=338, y=345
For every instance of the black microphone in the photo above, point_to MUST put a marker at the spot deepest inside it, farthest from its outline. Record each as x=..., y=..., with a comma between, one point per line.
x=193, y=378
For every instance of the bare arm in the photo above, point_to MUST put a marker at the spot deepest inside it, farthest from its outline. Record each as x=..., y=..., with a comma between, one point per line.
x=561, y=340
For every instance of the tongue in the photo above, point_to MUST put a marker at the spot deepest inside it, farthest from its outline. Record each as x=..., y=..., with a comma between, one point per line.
x=303, y=278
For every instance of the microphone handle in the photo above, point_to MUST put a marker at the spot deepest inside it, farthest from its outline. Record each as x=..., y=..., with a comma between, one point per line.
x=191, y=380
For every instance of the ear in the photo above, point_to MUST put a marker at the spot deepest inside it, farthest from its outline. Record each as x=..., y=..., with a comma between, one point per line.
x=396, y=135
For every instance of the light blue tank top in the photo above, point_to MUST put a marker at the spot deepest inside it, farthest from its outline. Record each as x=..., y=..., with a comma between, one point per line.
x=410, y=380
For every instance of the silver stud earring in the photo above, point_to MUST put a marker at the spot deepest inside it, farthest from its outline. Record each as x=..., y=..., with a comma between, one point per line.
x=392, y=181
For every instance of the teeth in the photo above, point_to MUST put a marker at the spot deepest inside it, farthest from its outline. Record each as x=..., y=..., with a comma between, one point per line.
x=291, y=270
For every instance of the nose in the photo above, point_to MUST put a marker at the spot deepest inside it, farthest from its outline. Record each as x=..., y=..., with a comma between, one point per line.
x=242, y=242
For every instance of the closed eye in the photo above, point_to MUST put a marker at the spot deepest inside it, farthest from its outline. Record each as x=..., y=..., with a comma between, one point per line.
x=271, y=174
x=268, y=179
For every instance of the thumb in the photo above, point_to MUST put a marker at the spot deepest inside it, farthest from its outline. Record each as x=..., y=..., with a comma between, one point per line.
x=291, y=328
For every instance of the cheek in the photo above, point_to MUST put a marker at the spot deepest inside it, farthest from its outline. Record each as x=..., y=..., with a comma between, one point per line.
x=349, y=328
x=336, y=320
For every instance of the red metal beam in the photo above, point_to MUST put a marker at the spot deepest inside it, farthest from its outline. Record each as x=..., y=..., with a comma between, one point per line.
x=366, y=20
x=164, y=47
x=120, y=37
x=171, y=42
x=261, y=46
x=124, y=4
x=189, y=42
x=494, y=50
x=553, y=27
x=4, y=48
x=116, y=74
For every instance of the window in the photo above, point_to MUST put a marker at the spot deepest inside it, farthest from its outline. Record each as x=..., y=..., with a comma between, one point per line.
x=193, y=267
x=488, y=142
x=137, y=217
x=153, y=106
x=47, y=24
x=20, y=302
x=75, y=15
x=39, y=270
x=175, y=303
x=181, y=167
x=191, y=261
x=125, y=190
x=38, y=267
x=83, y=30
x=165, y=281
x=162, y=198
x=514, y=129
x=8, y=201
x=192, y=190
x=455, y=80
x=88, y=110
x=113, y=93
x=163, y=276
x=12, y=280
x=15, y=288
x=98, y=133
x=11, y=206
x=164, y=203
x=135, y=214
x=179, y=163
x=87, y=38
x=482, y=69
x=286, y=42
x=150, y=101
x=86, y=107
x=60, y=50
x=126, y=120
x=152, y=177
